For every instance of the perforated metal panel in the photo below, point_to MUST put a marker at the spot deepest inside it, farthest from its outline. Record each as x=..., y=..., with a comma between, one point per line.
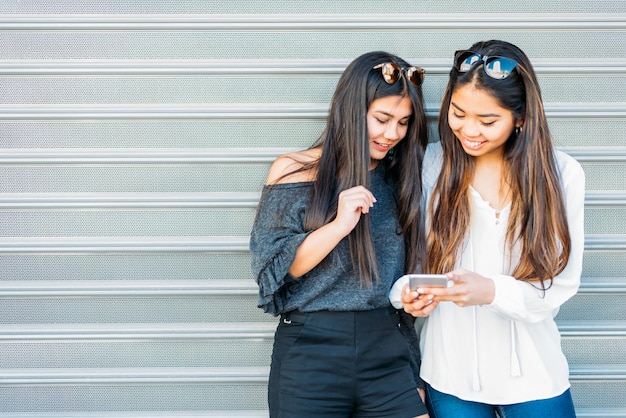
x=129, y=266
x=271, y=45
x=130, y=353
x=129, y=309
x=160, y=134
x=202, y=7
x=145, y=397
x=135, y=137
x=115, y=178
x=607, y=263
x=53, y=223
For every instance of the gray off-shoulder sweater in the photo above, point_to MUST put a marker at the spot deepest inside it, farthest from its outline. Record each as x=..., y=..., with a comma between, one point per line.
x=277, y=232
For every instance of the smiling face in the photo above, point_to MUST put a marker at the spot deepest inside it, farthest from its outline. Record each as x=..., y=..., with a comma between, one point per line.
x=479, y=122
x=387, y=124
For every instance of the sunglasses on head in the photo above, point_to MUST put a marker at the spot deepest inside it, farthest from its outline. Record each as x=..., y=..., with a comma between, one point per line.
x=495, y=66
x=391, y=73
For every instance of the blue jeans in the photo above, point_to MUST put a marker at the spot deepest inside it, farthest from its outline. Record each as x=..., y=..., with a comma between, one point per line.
x=441, y=405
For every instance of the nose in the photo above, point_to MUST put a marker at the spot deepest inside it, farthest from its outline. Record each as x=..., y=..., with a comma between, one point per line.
x=392, y=132
x=470, y=128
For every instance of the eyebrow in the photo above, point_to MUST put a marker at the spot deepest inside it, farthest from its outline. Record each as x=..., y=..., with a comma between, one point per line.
x=486, y=115
x=391, y=115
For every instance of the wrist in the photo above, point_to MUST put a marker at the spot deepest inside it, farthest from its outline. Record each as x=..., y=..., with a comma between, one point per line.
x=338, y=230
x=489, y=292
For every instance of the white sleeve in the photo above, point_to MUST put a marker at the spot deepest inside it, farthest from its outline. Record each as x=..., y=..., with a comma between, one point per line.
x=522, y=301
x=396, y=292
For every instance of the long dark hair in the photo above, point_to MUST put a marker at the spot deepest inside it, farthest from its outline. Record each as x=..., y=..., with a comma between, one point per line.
x=537, y=222
x=345, y=160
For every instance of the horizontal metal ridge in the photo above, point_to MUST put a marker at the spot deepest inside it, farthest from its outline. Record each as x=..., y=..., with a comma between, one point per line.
x=127, y=287
x=592, y=328
x=140, y=155
x=230, y=67
x=219, y=375
x=147, y=331
x=311, y=22
x=605, y=242
x=123, y=244
x=242, y=413
x=604, y=285
x=597, y=412
x=597, y=154
x=166, y=111
x=252, y=67
x=261, y=111
x=580, y=413
x=32, y=288
x=129, y=200
x=191, y=244
x=605, y=198
x=581, y=372
x=216, y=155
x=594, y=199
x=223, y=330
x=171, y=375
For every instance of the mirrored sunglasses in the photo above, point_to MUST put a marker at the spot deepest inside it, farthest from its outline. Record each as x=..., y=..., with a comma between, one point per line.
x=495, y=66
x=391, y=73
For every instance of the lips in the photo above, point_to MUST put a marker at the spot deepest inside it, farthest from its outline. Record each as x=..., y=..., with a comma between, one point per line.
x=472, y=144
x=382, y=147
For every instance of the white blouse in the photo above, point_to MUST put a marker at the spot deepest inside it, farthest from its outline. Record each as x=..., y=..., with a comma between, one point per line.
x=508, y=351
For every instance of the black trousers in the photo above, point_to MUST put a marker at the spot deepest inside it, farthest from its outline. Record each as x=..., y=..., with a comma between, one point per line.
x=342, y=364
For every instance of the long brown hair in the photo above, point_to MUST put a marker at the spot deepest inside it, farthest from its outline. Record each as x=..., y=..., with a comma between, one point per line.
x=537, y=224
x=345, y=161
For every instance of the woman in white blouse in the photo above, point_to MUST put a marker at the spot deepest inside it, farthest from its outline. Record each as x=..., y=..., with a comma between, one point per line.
x=505, y=219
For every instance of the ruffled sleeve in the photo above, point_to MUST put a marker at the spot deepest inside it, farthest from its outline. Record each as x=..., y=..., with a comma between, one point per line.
x=277, y=232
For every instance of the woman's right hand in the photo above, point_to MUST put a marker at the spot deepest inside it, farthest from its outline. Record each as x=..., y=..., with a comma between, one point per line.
x=352, y=203
x=417, y=304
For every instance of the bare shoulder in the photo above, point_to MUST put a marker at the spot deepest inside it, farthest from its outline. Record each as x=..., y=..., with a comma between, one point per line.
x=285, y=168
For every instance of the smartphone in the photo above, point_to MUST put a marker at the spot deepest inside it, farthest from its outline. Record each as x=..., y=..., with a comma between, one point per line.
x=427, y=280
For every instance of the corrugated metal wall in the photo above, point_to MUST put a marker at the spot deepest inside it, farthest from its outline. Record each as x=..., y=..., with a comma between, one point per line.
x=135, y=137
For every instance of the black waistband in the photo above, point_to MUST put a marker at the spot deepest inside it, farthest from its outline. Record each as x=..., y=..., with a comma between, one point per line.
x=338, y=316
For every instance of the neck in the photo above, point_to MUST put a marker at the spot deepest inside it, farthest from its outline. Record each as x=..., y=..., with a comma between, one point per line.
x=490, y=181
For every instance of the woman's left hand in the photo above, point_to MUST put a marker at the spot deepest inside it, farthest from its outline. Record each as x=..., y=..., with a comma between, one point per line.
x=469, y=289
x=417, y=304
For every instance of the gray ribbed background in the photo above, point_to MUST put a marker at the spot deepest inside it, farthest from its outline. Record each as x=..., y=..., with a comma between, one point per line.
x=135, y=138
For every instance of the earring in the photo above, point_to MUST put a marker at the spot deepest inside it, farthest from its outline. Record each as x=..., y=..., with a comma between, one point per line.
x=518, y=130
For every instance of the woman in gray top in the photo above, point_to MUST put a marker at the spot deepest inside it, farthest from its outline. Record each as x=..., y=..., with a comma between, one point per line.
x=337, y=224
